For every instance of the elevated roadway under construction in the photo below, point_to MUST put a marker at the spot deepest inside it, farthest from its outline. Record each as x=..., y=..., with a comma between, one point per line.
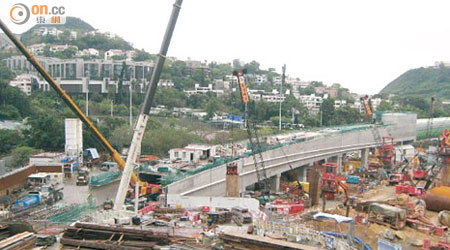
x=401, y=126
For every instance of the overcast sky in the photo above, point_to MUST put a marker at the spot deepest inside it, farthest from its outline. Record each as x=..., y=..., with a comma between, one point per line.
x=361, y=44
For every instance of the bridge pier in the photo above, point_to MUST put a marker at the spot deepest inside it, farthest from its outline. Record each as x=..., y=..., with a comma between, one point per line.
x=275, y=182
x=364, y=157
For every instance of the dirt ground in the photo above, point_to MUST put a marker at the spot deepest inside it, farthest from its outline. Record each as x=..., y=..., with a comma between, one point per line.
x=370, y=232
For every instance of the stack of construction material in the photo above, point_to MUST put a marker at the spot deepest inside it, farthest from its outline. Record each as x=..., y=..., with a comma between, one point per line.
x=234, y=240
x=220, y=217
x=111, y=237
x=241, y=215
x=22, y=241
x=4, y=232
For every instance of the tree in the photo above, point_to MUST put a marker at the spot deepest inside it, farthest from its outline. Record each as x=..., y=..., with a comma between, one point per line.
x=21, y=156
x=346, y=115
x=384, y=106
x=327, y=109
x=9, y=139
x=46, y=131
x=142, y=55
x=252, y=67
x=308, y=90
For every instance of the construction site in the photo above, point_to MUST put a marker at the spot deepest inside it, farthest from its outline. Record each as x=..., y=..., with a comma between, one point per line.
x=365, y=186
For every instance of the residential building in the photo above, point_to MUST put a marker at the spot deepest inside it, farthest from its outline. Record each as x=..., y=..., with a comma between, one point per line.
x=113, y=52
x=88, y=52
x=332, y=92
x=24, y=82
x=339, y=103
x=203, y=90
x=130, y=54
x=37, y=48
x=359, y=106
x=232, y=79
x=166, y=83
x=57, y=48
x=50, y=31
x=375, y=102
x=312, y=102
x=258, y=79
x=73, y=35
x=261, y=95
x=222, y=85
x=193, y=66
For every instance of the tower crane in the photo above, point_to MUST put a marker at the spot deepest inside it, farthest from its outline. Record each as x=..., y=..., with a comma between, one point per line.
x=253, y=137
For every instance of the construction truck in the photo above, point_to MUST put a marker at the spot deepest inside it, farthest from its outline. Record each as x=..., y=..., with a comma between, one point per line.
x=83, y=178
x=387, y=215
x=43, y=195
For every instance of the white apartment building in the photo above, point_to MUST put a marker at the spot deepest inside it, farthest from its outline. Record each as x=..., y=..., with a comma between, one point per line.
x=339, y=103
x=37, y=48
x=56, y=48
x=23, y=82
x=312, y=102
x=88, y=52
x=203, y=90
x=165, y=83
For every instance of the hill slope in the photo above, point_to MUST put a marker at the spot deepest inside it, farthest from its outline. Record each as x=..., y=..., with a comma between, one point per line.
x=84, y=40
x=72, y=24
x=421, y=82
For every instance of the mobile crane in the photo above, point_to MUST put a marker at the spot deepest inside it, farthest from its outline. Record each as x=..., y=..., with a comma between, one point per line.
x=127, y=167
x=141, y=123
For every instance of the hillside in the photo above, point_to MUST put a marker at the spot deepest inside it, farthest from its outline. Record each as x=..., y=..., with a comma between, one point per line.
x=72, y=24
x=97, y=41
x=421, y=82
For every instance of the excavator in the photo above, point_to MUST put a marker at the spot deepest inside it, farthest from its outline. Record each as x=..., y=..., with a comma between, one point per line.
x=127, y=167
x=330, y=186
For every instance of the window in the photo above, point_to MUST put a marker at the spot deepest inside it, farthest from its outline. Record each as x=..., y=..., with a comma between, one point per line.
x=176, y=154
x=184, y=155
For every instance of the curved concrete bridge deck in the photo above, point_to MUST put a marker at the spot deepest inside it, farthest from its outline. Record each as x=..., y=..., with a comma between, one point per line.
x=401, y=126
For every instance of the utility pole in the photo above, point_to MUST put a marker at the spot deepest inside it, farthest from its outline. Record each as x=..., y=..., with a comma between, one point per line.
x=281, y=94
x=87, y=93
x=131, y=98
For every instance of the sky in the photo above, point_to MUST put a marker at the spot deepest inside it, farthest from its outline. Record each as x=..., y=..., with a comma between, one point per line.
x=363, y=45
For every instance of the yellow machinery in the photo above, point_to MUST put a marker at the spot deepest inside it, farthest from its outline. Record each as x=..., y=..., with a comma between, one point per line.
x=305, y=185
x=350, y=166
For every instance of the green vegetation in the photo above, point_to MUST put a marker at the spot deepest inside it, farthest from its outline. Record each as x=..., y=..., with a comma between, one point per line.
x=421, y=82
x=20, y=156
x=84, y=39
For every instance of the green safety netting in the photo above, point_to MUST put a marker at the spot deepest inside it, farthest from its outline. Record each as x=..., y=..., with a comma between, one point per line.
x=432, y=134
x=105, y=178
x=178, y=175
x=73, y=213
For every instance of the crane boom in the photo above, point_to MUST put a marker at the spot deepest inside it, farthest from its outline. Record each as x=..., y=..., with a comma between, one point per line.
x=67, y=99
x=141, y=123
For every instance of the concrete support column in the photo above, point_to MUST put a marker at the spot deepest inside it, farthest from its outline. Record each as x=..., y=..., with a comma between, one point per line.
x=364, y=157
x=339, y=163
x=304, y=171
x=276, y=182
